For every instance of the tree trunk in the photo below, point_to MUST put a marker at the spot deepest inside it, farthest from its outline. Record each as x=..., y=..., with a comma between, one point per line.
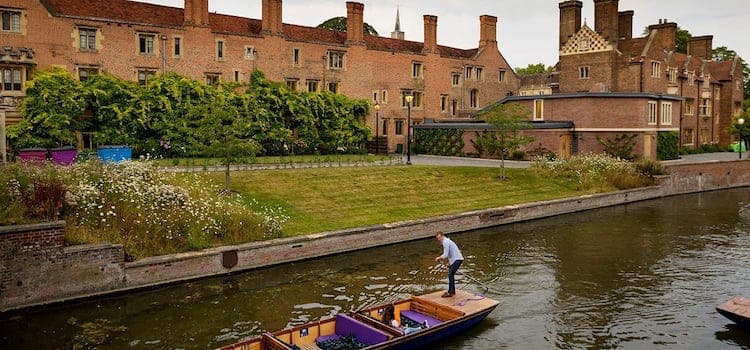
x=502, y=166
x=226, y=178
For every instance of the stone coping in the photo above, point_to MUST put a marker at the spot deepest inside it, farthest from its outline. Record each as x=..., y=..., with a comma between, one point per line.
x=32, y=227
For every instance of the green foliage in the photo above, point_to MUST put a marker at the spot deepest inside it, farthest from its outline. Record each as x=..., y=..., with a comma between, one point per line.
x=504, y=135
x=52, y=111
x=538, y=68
x=594, y=172
x=621, y=146
x=649, y=168
x=442, y=142
x=681, y=40
x=668, y=145
x=112, y=102
x=339, y=24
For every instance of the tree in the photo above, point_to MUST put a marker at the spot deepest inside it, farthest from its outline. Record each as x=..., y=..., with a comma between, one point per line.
x=538, y=68
x=506, y=121
x=682, y=36
x=722, y=53
x=339, y=24
x=742, y=131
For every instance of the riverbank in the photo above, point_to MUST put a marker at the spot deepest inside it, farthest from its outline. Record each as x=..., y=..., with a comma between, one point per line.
x=116, y=276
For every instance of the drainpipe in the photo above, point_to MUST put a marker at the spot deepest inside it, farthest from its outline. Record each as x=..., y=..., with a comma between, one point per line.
x=641, y=80
x=163, y=54
x=698, y=115
x=682, y=109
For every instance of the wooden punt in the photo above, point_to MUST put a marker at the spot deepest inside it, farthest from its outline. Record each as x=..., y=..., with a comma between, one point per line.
x=737, y=309
x=445, y=317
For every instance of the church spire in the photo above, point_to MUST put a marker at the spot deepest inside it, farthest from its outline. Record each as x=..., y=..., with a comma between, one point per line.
x=397, y=33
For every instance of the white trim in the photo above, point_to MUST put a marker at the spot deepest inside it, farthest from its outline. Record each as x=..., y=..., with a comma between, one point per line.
x=541, y=114
x=625, y=129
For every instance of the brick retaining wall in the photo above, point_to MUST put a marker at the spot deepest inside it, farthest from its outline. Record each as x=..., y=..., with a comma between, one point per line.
x=81, y=271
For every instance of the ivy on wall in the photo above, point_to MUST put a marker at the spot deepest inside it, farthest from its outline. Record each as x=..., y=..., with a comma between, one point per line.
x=440, y=142
x=667, y=146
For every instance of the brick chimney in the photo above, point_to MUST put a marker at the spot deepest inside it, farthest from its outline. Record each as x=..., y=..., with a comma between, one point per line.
x=666, y=34
x=196, y=12
x=606, y=18
x=570, y=19
x=355, y=25
x=271, y=21
x=430, y=33
x=701, y=46
x=625, y=25
x=487, y=30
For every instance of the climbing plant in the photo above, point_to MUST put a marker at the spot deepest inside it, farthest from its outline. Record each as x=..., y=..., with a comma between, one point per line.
x=441, y=142
x=620, y=146
x=667, y=146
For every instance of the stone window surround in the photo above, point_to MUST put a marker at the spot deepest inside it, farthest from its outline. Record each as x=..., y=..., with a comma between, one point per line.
x=16, y=17
x=538, y=113
x=143, y=48
x=178, y=42
x=88, y=30
x=652, y=112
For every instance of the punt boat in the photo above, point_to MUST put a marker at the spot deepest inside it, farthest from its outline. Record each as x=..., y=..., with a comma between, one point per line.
x=737, y=309
x=441, y=317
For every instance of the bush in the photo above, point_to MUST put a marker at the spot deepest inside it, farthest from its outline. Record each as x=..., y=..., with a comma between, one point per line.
x=518, y=155
x=649, y=168
x=621, y=146
x=668, y=145
x=441, y=142
x=593, y=171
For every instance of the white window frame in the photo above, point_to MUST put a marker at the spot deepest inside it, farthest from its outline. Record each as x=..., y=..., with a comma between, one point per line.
x=584, y=72
x=652, y=112
x=501, y=75
x=177, y=44
x=666, y=113
x=455, y=80
x=90, y=33
x=417, y=70
x=147, y=50
x=672, y=75
x=655, y=69
x=11, y=18
x=249, y=52
x=469, y=72
x=336, y=60
x=689, y=106
x=538, y=110
x=479, y=73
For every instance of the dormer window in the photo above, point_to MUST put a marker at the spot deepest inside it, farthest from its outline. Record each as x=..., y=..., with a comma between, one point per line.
x=655, y=69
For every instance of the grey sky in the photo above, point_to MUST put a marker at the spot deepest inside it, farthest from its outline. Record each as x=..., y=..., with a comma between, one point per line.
x=527, y=30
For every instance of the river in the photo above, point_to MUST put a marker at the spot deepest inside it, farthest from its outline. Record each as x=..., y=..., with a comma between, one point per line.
x=643, y=275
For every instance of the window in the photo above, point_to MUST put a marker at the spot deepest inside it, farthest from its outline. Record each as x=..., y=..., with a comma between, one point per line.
x=705, y=136
x=689, y=106
x=479, y=73
x=583, y=72
x=454, y=107
x=220, y=49
x=375, y=95
x=399, y=127
x=213, y=78
x=687, y=137
x=87, y=39
x=11, y=21
x=666, y=113
x=443, y=103
x=691, y=78
x=335, y=60
x=312, y=86
x=177, y=52
x=12, y=78
x=333, y=87
x=672, y=75
x=501, y=76
x=384, y=96
x=146, y=44
x=86, y=73
x=705, y=109
x=236, y=76
x=469, y=72
x=249, y=52
x=144, y=75
x=456, y=79
x=655, y=69
x=652, y=113
x=295, y=57
x=737, y=108
x=417, y=70
x=474, y=98
x=291, y=84
x=417, y=102
x=717, y=93
x=538, y=109
x=384, y=128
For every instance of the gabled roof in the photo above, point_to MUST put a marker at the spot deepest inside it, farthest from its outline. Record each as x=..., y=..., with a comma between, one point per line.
x=585, y=41
x=165, y=16
x=721, y=70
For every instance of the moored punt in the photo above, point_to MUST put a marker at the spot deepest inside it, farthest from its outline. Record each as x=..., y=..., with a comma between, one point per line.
x=441, y=316
x=737, y=309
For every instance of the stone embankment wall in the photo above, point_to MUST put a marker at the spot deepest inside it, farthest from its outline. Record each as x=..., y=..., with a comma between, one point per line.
x=37, y=269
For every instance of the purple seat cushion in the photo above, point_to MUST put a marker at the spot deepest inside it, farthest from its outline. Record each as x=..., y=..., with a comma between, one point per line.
x=369, y=335
x=420, y=318
x=327, y=338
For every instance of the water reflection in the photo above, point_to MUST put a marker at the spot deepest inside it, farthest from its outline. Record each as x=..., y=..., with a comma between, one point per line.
x=637, y=276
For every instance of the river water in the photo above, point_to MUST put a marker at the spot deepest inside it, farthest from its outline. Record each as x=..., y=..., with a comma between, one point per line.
x=639, y=276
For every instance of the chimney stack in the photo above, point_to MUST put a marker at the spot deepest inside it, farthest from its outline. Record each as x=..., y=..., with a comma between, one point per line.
x=487, y=30
x=570, y=19
x=606, y=18
x=355, y=25
x=430, y=33
x=271, y=21
x=701, y=46
x=196, y=12
x=625, y=25
x=666, y=34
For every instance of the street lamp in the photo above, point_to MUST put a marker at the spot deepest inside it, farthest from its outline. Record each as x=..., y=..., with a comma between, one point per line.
x=377, y=127
x=740, y=122
x=409, y=99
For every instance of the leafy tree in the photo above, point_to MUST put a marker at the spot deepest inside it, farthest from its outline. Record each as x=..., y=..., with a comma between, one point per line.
x=51, y=111
x=722, y=53
x=743, y=131
x=538, y=68
x=504, y=134
x=339, y=24
x=112, y=101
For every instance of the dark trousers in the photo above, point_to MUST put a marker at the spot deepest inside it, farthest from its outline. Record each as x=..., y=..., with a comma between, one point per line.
x=452, y=276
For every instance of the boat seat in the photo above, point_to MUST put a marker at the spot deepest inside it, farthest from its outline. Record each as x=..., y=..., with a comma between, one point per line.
x=346, y=325
x=420, y=318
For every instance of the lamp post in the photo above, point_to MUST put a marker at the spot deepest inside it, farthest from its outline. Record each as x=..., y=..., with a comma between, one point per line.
x=409, y=99
x=740, y=122
x=377, y=128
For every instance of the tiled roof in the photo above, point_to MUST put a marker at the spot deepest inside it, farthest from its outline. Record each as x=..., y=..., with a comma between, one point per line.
x=721, y=70
x=150, y=14
x=636, y=47
x=542, y=79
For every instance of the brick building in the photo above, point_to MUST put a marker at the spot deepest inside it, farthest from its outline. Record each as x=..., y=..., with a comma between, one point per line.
x=607, y=82
x=136, y=41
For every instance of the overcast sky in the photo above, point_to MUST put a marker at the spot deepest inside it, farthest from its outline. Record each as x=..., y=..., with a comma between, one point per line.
x=527, y=29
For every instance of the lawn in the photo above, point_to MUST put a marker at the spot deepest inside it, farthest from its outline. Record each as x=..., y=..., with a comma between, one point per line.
x=327, y=199
x=273, y=160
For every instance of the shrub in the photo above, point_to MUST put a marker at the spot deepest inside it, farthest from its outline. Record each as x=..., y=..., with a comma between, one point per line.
x=621, y=146
x=668, y=145
x=593, y=171
x=518, y=155
x=649, y=168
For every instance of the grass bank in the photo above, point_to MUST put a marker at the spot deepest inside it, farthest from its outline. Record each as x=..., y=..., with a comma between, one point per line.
x=325, y=199
x=273, y=160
